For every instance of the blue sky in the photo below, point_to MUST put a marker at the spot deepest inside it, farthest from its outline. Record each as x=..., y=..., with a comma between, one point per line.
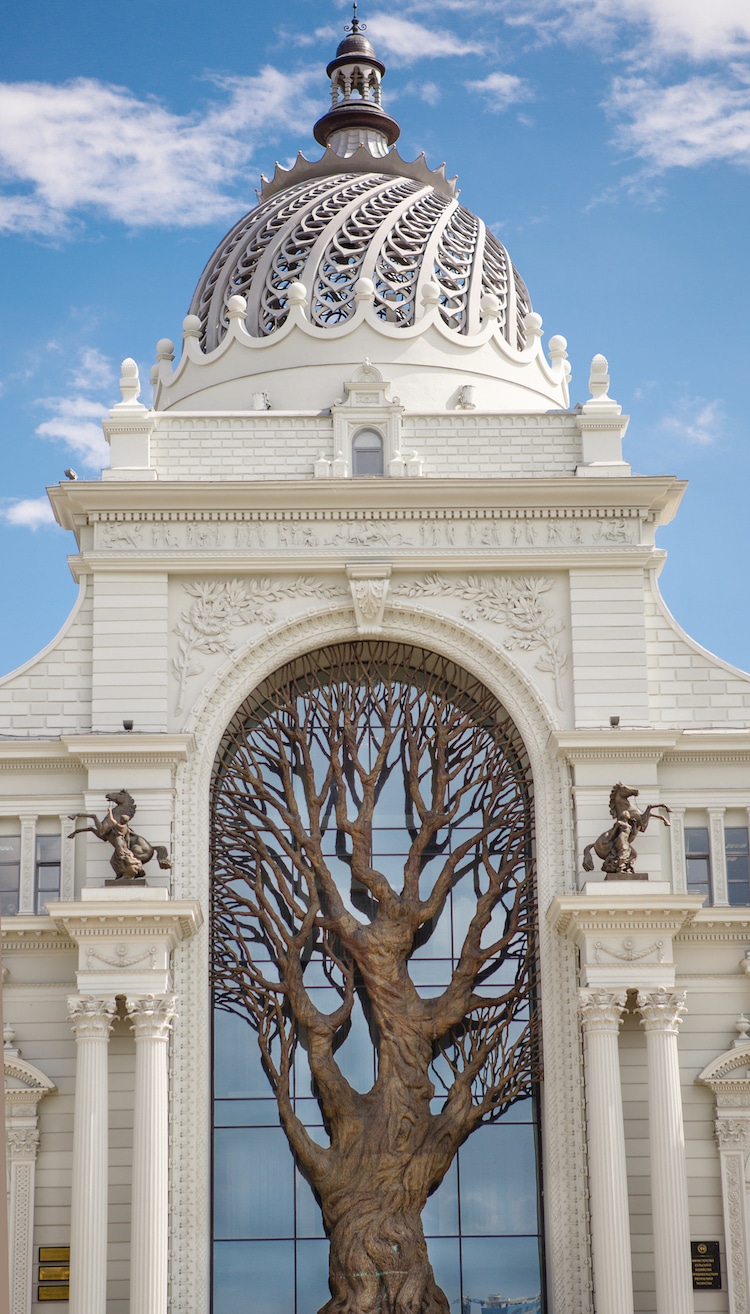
x=607, y=142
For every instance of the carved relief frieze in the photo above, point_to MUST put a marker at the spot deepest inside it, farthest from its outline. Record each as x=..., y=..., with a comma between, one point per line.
x=221, y=606
x=518, y=603
x=629, y=951
x=472, y=529
x=121, y=960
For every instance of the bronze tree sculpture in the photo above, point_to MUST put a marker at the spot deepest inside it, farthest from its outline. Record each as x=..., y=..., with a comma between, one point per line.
x=313, y=755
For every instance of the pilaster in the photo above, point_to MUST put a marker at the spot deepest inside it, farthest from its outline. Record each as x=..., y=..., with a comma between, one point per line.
x=719, y=884
x=28, y=863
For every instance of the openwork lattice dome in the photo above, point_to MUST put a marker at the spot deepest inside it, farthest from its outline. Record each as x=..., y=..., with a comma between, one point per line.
x=330, y=226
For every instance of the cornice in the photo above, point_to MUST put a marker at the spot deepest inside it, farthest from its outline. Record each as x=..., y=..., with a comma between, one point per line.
x=570, y=914
x=650, y=497
x=177, y=919
x=32, y=754
x=576, y=746
x=33, y=932
x=719, y=924
x=128, y=748
x=673, y=747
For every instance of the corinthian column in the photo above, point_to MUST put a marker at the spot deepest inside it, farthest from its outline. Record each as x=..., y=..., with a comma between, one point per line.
x=661, y=1014
x=92, y=1022
x=601, y=1016
x=149, y=1237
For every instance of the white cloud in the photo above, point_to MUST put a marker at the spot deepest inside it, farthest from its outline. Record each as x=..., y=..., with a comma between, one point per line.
x=76, y=421
x=88, y=146
x=500, y=90
x=687, y=124
x=698, y=29
x=430, y=93
x=696, y=420
x=29, y=512
x=407, y=42
x=94, y=371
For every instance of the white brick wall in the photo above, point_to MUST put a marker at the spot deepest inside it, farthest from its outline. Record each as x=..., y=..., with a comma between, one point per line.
x=51, y=694
x=687, y=685
x=271, y=447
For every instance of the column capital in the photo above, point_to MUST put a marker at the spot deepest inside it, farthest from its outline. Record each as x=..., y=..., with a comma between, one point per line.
x=733, y=1133
x=602, y=1010
x=22, y=1143
x=152, y=1016
x=662, y=1010
x=91, y=1018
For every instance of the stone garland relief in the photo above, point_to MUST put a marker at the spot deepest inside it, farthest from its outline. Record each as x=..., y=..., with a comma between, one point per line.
x=516, y=601
x=223, y=605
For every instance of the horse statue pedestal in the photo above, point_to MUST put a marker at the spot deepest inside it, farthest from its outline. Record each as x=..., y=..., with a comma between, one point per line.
x=127, y=881
x=611, y=876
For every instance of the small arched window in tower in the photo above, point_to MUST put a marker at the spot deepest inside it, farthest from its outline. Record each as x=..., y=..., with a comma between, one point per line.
x=367, y=453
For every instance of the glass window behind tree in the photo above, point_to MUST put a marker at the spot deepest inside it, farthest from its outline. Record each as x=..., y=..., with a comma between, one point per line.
x=374, y=957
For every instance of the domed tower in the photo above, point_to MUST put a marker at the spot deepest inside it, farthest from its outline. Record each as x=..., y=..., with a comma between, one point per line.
x=362, y=254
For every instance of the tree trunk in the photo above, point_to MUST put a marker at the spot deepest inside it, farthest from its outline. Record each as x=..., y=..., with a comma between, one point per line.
x=379, y=1262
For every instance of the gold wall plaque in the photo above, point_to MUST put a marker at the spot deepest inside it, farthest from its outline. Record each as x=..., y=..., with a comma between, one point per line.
x=53, y=1293
x=55, y=1273
x=54, y=1254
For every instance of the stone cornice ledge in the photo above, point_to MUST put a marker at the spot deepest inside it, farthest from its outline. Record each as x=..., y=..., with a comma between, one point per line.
x=175, y=919
x=575, y=914
x=652, y=745
x=576, y=746
x=128, y=746
x=33, y=932
x=651, y=496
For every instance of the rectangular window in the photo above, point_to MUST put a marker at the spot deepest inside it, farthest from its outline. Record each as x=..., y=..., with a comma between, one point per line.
x=10, y=874
x=46, y=871
x=698, y=860
x=738, y=864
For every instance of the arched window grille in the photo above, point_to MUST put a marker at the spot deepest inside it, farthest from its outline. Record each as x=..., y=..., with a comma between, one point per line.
x=348, y=788
x=367, y=453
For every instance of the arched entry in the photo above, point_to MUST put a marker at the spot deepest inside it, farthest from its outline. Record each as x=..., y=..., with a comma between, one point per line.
x=373, y=924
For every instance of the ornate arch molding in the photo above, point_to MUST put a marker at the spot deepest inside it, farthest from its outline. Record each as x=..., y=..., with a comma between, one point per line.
x=25, y=1086
x=564, y=1156
x=728, y=1076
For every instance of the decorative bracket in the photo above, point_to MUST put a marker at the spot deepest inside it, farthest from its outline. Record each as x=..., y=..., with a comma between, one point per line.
x=369, y=585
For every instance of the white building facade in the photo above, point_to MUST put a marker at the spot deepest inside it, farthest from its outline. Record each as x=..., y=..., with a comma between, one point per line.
x=363, y=437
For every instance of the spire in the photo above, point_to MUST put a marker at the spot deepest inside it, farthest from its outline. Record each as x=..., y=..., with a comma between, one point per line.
x=356, y=116
x=355, y=27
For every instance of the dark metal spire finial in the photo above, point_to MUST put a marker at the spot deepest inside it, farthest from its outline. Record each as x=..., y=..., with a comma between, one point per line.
x=355, y=27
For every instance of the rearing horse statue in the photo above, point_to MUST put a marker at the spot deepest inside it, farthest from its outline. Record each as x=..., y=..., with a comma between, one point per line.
x=131, y=851
x=615, y=845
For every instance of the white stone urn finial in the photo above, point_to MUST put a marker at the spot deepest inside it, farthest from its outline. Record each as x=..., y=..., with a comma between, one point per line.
x=130, y=384
x=600, y=401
